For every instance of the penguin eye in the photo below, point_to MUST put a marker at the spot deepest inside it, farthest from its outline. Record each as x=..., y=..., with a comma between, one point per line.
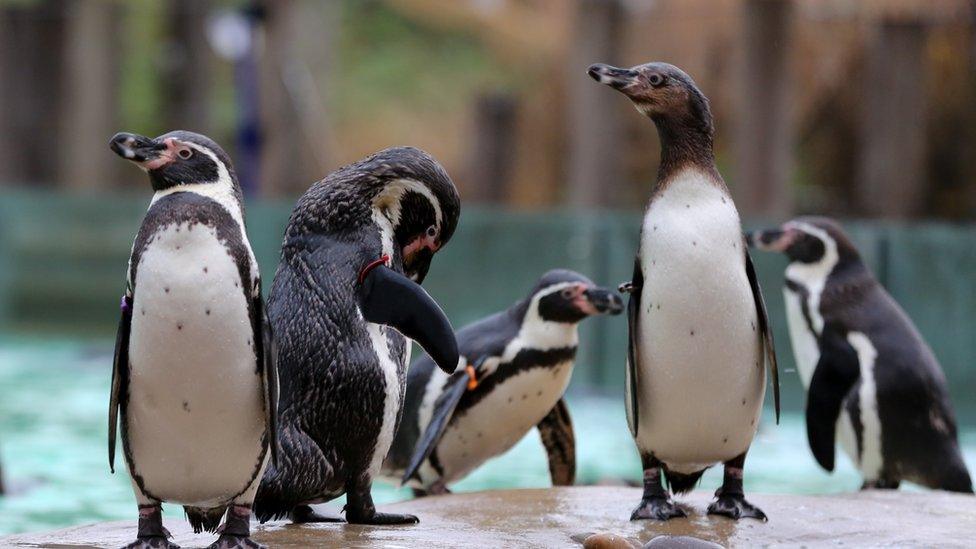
x=655, y=79
x=432, y=231
x=567, y=293
x=185, y=153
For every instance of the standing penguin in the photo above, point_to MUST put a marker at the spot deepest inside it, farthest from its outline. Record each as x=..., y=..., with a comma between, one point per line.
x=453, y=424
x=698, y=327
x=347, y=291
x=194, y=375
x=872, y=382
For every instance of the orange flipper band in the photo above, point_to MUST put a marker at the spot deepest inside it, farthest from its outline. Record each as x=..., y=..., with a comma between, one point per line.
x=472, y=377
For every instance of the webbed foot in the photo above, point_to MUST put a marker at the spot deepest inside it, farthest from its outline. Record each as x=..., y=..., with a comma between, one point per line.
x=735, y=506
x=657, y=508
x=383, y=519
x=304, y=514
x=155, y=542
x=233, y=541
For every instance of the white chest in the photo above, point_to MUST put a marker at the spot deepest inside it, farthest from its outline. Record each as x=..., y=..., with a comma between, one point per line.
x=499, y=420
x=806, y=350
x=195, y=414
x=702, y=376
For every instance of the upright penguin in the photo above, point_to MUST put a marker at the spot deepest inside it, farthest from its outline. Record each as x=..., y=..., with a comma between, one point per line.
x=524, y=357
x=698, y=328
x=194, y=375
x=873, y=384
x=347, y=291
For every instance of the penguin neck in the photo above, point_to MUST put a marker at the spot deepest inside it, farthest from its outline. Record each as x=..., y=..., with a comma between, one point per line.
x=686, y=143
x=539, y=333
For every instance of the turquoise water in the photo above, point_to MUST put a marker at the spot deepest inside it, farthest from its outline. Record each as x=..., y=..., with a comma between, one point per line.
x=54, y=400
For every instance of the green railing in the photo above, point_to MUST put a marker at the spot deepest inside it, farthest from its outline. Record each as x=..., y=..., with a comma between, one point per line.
x=62, y=261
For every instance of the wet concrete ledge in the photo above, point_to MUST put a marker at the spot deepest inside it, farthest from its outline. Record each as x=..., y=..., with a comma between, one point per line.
x=563, y=517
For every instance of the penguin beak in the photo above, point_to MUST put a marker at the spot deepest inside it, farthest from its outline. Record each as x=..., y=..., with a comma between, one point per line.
x=603, y=301
x=148, y=153
x=416, y=265
x=770, y=240
x=615, y=77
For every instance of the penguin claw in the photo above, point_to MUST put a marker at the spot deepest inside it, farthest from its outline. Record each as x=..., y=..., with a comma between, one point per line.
x=735, y=507
x=230, y=541
x=657, y=509
x=155, y=542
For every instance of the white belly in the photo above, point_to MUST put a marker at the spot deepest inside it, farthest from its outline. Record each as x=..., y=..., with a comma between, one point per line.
x=702, y=375
x=500, y=419
x=195, y=414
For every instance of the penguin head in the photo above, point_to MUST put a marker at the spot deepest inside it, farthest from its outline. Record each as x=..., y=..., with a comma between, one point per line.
x=660, y=91
x=568, y=297
x=177, y=158
x=807, y=240
x=401, y=194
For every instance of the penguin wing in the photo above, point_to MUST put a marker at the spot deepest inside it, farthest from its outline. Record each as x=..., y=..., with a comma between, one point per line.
x=556, y=432
x=633, y=312
x=444, y=408
x=837, y=371
x=120, y=375
x=766, y=330
x=267, y=362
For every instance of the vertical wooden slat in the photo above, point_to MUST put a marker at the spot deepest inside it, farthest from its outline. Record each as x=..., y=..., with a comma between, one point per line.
x=764, y=133
x=595, y=160
x=891, y=176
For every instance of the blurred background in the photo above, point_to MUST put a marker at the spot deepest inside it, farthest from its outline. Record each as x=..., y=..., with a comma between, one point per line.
x=859, y=109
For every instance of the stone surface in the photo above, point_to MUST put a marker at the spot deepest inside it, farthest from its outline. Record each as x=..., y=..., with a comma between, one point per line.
x=566, y=517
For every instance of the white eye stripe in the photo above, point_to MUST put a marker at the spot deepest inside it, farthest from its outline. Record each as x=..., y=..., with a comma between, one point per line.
x=390, y=197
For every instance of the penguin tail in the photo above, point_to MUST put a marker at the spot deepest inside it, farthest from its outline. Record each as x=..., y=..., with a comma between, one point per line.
x=272, y=501
x=681, y=483
x=201, y=519
x=955, y=478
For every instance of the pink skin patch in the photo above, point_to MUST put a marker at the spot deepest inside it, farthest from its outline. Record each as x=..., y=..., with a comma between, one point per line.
x=173, y=147
x=580, y=301
x=422, y=242
x=782, y=243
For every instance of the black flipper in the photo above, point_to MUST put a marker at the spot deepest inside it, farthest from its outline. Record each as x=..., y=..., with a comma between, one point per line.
x=765, y=329
x=387, y=297
x=837, y=371
x=556, y=432
x=120, y=375
x=444, y=407
x=633, y=312
x=267, y=361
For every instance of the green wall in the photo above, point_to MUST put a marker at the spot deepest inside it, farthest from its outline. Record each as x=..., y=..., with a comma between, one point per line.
x=62, y=262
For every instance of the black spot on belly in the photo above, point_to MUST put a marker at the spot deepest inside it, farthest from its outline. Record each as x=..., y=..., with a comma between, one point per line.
x=479, y=434
x=725, y=440
x=143, y=312
x=743, y=402
x=694, y=243
x=179, y=247
x=186, y=406
x=208, y=312
x=509, y=399
x=166, y=290
x=753, y=326
x=205, y=270
x=687, y=205
x=655, y=227
x=693, y=333
x=538, y=394
x=723, y=201
x=659, y=306
x=179, y=326
x=525, y=397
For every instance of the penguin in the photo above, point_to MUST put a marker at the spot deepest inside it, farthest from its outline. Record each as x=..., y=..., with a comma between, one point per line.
x=697, y=322
x=873, y=384
x=344, y=300
x=525, y=354
x=194, y=382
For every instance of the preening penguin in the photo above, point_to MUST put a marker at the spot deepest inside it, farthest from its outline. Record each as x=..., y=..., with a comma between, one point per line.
x=873, y=384
x=524, y=356
x=347, y=291
x=698, y=329
x=194, y=375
